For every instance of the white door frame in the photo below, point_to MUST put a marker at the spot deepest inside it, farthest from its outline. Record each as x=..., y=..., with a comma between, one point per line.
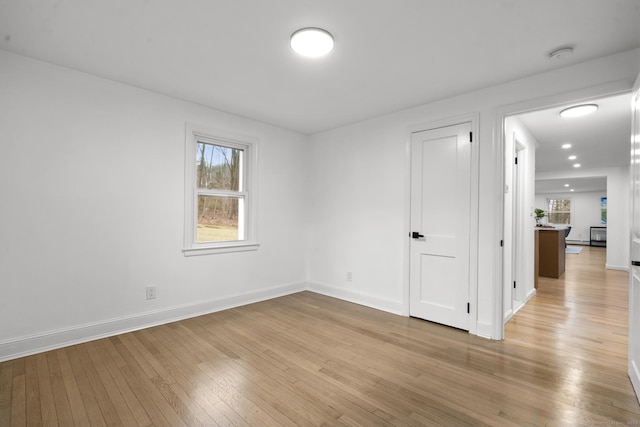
x=474, y=119
x=583, y=95
x=634, y=362
x=514, y=227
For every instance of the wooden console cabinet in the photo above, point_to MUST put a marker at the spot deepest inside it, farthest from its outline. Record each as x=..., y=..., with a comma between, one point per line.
x=551, y=252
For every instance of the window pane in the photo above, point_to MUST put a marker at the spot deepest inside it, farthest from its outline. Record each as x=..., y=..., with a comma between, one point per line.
x=559, y=218
x=559, y=211
x=218, y=219
x=218, y=167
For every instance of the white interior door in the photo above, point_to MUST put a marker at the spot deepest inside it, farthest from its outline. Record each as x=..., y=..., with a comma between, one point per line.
x=440, y=224
x=634, y=276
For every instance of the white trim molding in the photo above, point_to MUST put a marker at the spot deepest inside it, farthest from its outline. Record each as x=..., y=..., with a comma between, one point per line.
x=617, y=267
x=384, y=304
x=248, y=193
x=27, y=345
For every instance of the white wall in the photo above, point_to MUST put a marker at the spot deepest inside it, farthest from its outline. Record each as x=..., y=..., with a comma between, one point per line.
x=92, y=183
x=524, y=274
x=618, y=209
x=359, y=183
x=91, y=179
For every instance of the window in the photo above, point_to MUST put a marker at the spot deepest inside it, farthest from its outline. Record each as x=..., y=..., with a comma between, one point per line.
x=559, y=211
x=220, y=193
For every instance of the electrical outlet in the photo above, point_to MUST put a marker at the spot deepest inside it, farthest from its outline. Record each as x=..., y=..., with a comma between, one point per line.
x=349, y=276
x=151, y=292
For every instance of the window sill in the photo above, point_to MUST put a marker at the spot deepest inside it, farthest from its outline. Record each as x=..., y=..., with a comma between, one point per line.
x=221, y=248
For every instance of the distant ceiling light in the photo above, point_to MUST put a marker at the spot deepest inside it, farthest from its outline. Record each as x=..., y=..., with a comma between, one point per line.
x=572, y=157
x=579, y=110
x=561, y=53
x=577, y=165
x=312, y=42
x=572, y=189
x=566, y=146
x=566, y=185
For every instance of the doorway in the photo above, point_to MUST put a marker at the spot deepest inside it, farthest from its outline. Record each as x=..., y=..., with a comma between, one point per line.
x=553, y=165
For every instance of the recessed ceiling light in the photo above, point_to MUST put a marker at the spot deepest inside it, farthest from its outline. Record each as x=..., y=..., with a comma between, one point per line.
x=572, y=189
x=579, y=110
x=577, y=165
x=566, y=146
x=312, y=42
x=566, y=185
x=572, y=157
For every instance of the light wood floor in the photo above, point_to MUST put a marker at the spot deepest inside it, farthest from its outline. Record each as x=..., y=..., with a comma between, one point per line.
x=307, y=359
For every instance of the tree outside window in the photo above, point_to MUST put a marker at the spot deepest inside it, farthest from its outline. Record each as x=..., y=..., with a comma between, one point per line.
x=559, y=211
x=220, y=193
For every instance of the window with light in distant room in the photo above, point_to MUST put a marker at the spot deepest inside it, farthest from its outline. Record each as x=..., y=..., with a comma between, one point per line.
x=559, y=211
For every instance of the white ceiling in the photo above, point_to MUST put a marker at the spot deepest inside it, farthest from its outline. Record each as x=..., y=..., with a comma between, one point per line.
x=598, y=140
x=579, y=185
x=234, y=55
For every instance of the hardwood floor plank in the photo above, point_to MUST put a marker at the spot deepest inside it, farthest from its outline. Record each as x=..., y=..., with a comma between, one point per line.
x=6, y=385
x=47, y=403
x=76, y=405
x=142, y=381
x=310, y=360
x=60, y=397
x=34, y=407
x=111, y=359
x=19, y=400
x=109, y=389
x=89, y=402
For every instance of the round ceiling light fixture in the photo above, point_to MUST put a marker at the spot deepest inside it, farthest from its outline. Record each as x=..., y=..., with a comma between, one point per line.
x=579, y=110
x=312, y=42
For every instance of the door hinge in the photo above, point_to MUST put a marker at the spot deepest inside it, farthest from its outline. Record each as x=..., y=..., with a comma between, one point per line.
x=470, y=136
x=468, y=307
x=516, y=159
x=501, y=243
x=514, y=284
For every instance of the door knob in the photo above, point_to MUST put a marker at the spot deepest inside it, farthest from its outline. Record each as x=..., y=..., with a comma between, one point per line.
x=416, y=235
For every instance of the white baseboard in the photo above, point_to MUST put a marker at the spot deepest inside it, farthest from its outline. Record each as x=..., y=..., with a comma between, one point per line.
x=617, y=267
x=530, y=294
x=391, y=306
x=507, y=316
x=579, y=242
x=485, y=330
x=50, y=340
x=634, y=376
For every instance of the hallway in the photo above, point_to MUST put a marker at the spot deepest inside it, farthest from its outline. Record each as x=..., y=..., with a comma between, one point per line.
x=574, y=334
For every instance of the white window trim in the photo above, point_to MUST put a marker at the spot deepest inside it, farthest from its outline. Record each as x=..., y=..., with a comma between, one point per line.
x=571, y=214
x=195, y=133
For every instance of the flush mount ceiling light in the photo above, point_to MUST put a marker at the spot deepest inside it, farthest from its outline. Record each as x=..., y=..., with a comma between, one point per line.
x=566, y=146
x=312, y=42
x=579, y=110
x=572, y=157
x=577, y=165
x=566, y=185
